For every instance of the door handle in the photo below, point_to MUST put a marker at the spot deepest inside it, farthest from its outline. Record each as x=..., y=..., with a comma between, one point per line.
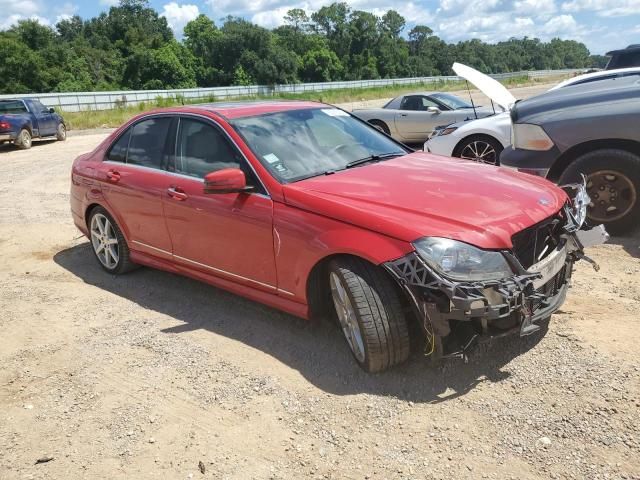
x=113, y=176
x=403, y=114
x=177, y=193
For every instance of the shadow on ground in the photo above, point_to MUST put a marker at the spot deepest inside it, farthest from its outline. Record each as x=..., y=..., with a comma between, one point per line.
x=317, y=350
x=630, y=243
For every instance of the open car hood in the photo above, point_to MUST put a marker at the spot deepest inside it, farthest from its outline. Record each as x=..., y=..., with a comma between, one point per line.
x=487, y=85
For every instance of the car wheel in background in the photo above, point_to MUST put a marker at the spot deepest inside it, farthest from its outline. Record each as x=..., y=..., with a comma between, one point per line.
x=23, y=140
x=369, y=311
x=61, y=133
x=108, y=242
x=380, y=125
x=479, y=148
x=613, y=183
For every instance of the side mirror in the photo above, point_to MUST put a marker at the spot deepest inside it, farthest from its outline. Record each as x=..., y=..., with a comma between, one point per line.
x=227, y=180
x=51, y=110
x=433, y=110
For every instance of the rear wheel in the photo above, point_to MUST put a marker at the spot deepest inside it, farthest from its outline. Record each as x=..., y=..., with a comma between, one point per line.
x=480, y=148
x=613, y=183
x=108, y=242
x=61, y=133
x=380, y=125
x=369, y=311
x=23, y=140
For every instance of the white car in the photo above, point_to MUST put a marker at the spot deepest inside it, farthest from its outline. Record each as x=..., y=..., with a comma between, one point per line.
x=484, y=139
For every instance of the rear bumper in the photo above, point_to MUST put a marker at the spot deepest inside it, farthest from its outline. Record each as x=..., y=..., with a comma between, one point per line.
x=529, y=161
x=6, y=137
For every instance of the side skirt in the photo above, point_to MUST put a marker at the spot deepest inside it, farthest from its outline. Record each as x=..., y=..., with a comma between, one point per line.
x=274, y=301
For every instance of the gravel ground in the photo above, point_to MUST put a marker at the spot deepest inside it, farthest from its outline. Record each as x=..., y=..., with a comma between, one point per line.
x=151, y=375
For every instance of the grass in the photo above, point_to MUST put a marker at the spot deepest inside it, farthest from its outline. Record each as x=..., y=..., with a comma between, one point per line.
x=88, y=119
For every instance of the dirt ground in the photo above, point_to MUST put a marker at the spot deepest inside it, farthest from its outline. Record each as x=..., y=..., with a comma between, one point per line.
x=151, y=375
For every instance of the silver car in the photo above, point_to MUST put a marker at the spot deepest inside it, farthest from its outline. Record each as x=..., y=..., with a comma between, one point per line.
x=412, y=117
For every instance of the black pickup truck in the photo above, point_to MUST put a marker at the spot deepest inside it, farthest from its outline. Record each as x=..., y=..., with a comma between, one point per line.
x=589, y=129
x=22, y=120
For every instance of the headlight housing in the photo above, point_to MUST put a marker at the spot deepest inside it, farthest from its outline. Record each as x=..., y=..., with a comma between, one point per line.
x=580, y=201
x=447, y=131
x=527, y=136
x=461, y=261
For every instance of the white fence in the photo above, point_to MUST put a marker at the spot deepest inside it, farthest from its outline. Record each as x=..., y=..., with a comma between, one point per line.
x=77, y=101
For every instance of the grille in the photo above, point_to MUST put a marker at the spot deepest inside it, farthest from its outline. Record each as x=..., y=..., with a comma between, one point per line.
x=535, y=242
x=549, y=289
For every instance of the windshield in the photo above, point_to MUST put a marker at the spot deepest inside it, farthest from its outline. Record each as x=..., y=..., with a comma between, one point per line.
x=299, y=144
x=451, y=101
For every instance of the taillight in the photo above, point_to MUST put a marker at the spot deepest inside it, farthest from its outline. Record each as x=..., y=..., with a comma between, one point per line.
x=5, y=126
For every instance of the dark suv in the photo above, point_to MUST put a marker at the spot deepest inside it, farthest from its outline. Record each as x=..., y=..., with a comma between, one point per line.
x=589, y=129
x=624, y=58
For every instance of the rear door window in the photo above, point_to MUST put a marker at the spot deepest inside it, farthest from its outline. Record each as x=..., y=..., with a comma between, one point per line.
x=118, y=152
x=147, y=143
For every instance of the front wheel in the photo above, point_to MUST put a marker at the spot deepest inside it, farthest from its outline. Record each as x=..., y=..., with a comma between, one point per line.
x=480, y=148
x=369, y=311
x=613, y=184
x=61, y=133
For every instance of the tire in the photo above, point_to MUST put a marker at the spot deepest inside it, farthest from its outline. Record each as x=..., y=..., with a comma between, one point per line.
x=380, y=125
x=23, y=140
x=611, y=174
x=99, y=237
x=480, y=144
x=376, y=328
x=61, y=133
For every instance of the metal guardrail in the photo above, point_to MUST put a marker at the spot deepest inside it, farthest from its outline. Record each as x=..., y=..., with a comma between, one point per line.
x=78, y=101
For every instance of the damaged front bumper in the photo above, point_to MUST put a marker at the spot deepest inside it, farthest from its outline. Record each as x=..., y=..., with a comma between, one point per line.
x=454, y=315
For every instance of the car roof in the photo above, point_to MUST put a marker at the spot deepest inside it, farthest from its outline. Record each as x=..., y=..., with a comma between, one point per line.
x=630, y=48
x=231, y=110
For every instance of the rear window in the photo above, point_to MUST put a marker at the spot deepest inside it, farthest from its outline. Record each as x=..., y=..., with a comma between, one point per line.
x=148, y=138
x=12, y=106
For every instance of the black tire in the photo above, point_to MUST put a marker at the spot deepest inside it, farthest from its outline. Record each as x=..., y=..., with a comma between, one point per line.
x=124, y=263
x=468, y=143
x=378, y=310
x=61, y=133
x=23, y=140
x=380, y=125
x=621, y=162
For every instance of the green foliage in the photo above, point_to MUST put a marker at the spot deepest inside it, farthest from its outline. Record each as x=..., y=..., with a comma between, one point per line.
x=132, y=47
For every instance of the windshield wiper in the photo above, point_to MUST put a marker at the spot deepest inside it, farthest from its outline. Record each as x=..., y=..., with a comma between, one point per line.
x=372, y=158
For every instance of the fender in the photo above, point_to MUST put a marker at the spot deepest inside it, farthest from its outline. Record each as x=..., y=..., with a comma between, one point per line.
x=303, y=239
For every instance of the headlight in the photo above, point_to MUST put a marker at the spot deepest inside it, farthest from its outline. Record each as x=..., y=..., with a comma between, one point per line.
x=581, y=201
x=461, y=261
x=447, y=131
x=530, y=137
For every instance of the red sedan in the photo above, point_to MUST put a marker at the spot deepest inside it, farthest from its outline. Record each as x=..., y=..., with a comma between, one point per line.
x=308, y=209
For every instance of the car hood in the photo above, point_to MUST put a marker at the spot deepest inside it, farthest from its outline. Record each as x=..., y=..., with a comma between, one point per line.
x=428, y=195
x=487, y=85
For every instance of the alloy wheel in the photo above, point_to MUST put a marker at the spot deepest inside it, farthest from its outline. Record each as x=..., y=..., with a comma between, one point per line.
x=612, y=194
x=25, y=139
x=104, y=241
x=479, y=151
x=347, y=316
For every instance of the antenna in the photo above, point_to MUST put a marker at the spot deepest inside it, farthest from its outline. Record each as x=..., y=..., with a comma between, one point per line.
x=471, y=98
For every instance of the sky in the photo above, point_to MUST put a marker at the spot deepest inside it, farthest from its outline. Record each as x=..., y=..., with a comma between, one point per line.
x=602, y=25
